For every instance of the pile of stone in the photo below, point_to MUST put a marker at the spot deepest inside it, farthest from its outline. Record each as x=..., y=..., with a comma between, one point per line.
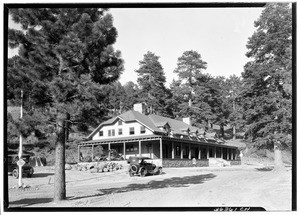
x=97, y=167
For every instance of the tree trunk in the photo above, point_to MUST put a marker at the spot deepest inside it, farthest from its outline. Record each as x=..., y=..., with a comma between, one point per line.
x=59, y=182
x=67, y=126
x=278, y=163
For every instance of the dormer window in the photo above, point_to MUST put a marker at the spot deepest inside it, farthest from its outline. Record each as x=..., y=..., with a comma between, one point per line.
x=101, y=133
x=120, y=122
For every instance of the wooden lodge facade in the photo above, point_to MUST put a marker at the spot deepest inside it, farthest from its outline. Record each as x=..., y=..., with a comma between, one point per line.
x=174, y=142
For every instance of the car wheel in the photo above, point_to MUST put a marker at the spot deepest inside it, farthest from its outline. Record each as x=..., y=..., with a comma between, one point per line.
x=134, y=168
x=29, y=175
x=131, y=174
x=159, y=172
x=143, y=172
x=15, y=173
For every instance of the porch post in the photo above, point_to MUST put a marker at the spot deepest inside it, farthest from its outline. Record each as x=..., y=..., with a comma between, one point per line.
x=160, y=148
x=227, y=153
x=173, y=150
x=207, y=152
x=181, y=151
x=109, y=151
x=215, y=152
x=190, y=151
x=93, y=152
x=199, y=152
x=124, y=150
x=140, y=148
x=222, y=152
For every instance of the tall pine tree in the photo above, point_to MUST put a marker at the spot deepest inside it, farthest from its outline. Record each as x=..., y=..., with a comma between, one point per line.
x=268, y=94
x=189, y=66
x=65, y=54
x=151, y=80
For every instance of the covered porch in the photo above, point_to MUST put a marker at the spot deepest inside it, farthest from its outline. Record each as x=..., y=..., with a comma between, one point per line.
x=149, y=146
x=158, y=147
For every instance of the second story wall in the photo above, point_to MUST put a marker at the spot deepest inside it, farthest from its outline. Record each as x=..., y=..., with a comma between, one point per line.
x=121, y=129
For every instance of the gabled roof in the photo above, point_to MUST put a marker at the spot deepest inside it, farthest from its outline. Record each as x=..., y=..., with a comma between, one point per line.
x=129, y=116
x=152, y=122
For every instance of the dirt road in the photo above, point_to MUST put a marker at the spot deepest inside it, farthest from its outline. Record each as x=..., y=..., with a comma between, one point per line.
x=253, y=186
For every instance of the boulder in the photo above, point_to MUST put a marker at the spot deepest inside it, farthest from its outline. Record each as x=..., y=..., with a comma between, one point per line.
x=68, y=167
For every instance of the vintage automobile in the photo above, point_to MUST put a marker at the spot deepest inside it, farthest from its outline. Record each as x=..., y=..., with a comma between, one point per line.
x=143, y=166
x=13, y=167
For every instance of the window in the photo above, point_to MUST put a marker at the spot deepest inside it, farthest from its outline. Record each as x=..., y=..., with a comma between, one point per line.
x=131, y=130
x=120, y=122
x=111, y=132
x=120, y=131
x=100, y=133
x=143, y=130
x=130, y=148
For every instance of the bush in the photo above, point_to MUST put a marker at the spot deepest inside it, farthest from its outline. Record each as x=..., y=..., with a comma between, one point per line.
x=87, y=159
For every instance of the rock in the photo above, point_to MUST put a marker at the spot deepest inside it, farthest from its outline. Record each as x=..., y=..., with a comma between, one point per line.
x=100, y=165
x=25, y=186
x=68, y=167
x=93, y=170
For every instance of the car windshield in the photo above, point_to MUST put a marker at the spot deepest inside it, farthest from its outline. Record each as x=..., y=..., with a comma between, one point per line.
x=148, y=160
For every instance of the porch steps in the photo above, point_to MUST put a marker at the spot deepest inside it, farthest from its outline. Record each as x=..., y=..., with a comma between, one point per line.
x=218, y=162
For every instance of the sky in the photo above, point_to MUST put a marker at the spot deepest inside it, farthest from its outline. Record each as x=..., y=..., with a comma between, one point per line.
x=219, y=35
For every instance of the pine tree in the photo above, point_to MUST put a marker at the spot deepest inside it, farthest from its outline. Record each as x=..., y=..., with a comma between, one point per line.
x=65, y=56
x=189, y=66
x=151, y=80
x=268, y=94
x=131, y=95
x=233, y=89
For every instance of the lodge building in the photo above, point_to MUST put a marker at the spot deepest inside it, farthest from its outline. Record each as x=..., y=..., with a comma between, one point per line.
x=176, y=143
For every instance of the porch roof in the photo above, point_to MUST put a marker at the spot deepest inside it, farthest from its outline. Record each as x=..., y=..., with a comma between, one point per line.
x=121, y=139
x=150, y=137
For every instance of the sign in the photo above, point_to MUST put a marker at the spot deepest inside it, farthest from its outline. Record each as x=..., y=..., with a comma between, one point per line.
x=21, y=162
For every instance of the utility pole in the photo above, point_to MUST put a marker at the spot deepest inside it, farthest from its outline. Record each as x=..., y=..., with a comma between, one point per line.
x=21, y=161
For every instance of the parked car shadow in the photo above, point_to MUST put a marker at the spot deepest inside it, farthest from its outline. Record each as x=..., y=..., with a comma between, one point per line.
x=30, y=201
x=155, y=184
x=41, y=175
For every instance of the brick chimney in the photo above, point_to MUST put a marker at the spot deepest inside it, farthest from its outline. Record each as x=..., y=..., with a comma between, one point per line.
x=187, y=120
x=140, y=107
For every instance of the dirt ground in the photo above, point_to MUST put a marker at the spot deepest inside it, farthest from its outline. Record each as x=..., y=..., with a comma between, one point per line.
x=236, y=186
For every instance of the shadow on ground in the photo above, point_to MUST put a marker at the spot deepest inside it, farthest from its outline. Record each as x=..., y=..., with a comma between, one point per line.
x=152, y=185
x=30, y=201
x=265, y=169
x=41, y=175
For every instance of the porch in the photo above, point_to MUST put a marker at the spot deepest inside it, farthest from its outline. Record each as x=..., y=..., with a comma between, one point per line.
x=166, y=148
